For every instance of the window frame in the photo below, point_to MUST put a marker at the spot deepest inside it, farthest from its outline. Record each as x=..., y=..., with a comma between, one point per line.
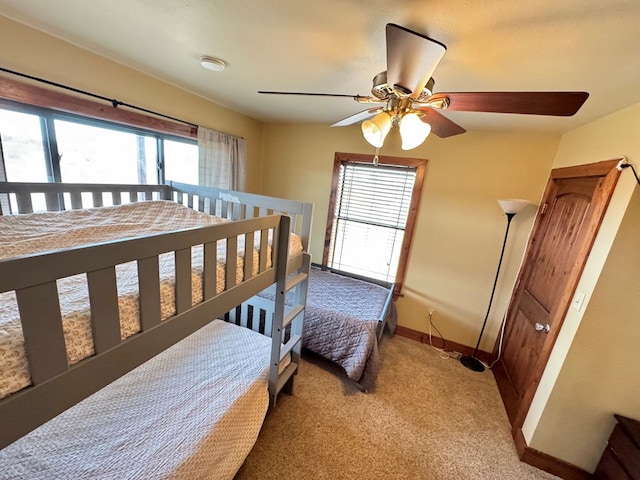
x=420, y=165
x=33, y=95
x=52, y=105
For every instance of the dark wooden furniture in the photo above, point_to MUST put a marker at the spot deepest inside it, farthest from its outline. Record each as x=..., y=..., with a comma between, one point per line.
x=621, y=458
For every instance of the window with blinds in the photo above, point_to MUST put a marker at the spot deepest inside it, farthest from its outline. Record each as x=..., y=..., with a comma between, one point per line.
x=369, y=217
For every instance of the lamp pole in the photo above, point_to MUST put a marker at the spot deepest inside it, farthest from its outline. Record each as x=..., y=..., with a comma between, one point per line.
x=510, y=207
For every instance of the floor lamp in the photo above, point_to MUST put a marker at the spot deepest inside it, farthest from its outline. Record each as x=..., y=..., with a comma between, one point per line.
x=510, y=208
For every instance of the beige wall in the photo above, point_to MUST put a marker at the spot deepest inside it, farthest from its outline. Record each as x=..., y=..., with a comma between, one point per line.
x=29, y=51
x=460, y=226
x=593, y=370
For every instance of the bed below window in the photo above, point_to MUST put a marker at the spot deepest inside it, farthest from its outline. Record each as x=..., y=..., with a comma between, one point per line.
x=345, y=318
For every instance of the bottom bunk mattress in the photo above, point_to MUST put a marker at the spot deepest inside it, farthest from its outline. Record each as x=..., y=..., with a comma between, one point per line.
x=342, y=318
x=192, y=412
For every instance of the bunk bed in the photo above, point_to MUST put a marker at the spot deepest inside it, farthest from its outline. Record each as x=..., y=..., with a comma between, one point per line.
x=345, y=318
x=190, y=265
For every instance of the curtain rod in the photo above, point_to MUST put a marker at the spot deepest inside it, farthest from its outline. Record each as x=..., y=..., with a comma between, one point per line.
x=114, y=102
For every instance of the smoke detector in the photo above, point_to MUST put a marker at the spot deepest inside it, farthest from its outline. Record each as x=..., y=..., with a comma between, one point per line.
x=211, y=63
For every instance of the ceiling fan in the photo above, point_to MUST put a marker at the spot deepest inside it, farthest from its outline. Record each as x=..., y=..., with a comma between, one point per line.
x=405, y=97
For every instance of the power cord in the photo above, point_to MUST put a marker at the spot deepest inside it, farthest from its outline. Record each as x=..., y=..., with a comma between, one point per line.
x=504, y=324
x=444, y=354
x=624, y=164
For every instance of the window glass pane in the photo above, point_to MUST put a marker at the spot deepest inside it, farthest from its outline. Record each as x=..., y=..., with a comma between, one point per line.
x=22, y=146
x=368, y=250
x=181, y=162
x=91, y=154
x=371, y=212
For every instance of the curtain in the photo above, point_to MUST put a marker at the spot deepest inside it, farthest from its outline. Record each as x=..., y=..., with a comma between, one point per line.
x=4, y=198
x=222, y=160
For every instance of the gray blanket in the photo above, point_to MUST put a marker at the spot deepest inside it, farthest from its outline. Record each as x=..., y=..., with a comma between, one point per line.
x=341, y=321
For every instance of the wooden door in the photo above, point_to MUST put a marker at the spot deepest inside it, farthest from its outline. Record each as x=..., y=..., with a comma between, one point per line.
x=574, y=203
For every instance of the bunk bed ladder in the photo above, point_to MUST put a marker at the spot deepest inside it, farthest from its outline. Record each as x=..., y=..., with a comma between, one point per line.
x=287, y=319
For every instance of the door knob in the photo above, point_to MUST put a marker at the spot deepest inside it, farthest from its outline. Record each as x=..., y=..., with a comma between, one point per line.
x=539, y=327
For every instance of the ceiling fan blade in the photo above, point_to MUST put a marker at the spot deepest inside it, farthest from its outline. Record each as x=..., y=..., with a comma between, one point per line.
x=563, y=104
x=440, y=125
x=411, y=58
x=355, y=97
x=358, y=117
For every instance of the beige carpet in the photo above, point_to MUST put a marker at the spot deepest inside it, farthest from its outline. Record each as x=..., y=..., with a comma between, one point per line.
x=429, y=418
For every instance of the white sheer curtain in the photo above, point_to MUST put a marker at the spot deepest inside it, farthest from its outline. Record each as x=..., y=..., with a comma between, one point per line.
x=222, y=160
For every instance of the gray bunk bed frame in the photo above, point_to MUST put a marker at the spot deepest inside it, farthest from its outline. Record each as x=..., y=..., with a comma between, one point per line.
x=56, y=386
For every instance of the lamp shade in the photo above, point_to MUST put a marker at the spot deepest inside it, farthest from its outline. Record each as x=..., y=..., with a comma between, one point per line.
x=413, y=131
x=376, y=129
x=513, y=205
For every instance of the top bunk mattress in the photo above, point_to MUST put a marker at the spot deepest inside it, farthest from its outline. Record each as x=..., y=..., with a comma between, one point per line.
x=194, y=411
x=30, y=233
x=41, y=232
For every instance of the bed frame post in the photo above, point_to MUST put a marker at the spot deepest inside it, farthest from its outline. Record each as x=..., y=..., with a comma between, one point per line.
x=280, y=262
x=307, y=219
x=167, y=192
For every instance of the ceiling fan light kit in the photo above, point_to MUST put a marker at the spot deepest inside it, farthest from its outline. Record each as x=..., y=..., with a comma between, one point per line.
x=413, y=131
x=405, y=90
x=377, y=129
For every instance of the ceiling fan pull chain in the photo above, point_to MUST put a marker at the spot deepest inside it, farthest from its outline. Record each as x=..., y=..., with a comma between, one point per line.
x=375, y=157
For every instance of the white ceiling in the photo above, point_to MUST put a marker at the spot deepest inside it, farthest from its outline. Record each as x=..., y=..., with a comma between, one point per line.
x=337, y=46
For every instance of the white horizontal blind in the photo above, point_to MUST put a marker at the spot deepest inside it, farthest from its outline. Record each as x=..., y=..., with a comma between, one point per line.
x=371, y=210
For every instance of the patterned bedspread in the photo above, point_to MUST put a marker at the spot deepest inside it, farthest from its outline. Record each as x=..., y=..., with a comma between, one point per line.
x=39, y=232
x=341, y=321
x=192, y=412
